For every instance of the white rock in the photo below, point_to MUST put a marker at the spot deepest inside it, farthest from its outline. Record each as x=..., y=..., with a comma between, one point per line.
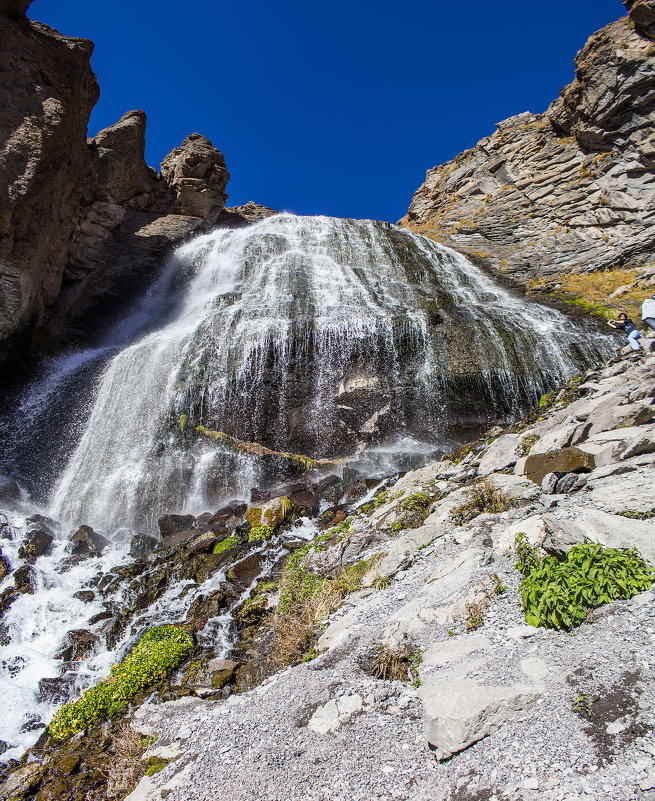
x=457, y=713
x=610, y=530
x=521, y=632
x=533, y=527
x=503, y=452
x=535, y=668
x=453, y=650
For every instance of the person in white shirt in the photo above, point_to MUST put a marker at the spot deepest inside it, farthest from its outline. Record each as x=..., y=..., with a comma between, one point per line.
x=648, y=312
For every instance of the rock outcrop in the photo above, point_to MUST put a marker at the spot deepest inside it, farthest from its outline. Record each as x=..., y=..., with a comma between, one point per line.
x=567, y=190
x=48, y=91
x=80, y=235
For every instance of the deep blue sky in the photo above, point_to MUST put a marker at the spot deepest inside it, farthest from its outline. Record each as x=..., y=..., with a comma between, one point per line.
x=327, y=108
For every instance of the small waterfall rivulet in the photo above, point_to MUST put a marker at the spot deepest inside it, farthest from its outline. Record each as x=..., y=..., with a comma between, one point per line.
x=308, y=335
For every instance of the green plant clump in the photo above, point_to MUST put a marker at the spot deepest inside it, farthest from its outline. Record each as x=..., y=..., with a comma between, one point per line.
x=482, y=497
x=155, y=764
x=158, y=653
x=419, y=502
x=342, y=528
x=559, y=595
x=637, y=515
x=259, y=533
x=225, y=545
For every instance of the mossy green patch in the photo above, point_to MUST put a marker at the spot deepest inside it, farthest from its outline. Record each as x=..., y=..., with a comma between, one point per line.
x=158, y=653
x=259, y=533
x=226, y=544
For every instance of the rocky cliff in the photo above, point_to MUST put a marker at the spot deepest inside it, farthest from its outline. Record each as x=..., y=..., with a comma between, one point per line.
x=80, y=234
x=569, y=190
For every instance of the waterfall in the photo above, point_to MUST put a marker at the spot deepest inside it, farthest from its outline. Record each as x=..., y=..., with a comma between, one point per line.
x=312, y=335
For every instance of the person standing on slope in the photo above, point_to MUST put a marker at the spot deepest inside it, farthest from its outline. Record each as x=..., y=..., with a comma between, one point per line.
x=625, y=323
x=648, y=312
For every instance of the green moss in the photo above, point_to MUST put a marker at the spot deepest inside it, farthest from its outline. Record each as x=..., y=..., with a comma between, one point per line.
x=158, y=653
x=226, y=544
x=155, y=764
x=259, y=533
x=341, y=528
x=183, y=421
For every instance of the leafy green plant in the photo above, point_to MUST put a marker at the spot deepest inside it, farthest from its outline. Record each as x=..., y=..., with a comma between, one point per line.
x=381, y=582
x=560, y=595
x=499, y=588
x=157, y=654
x=155, y=764
x=583, y=704
x=225, y=545
x=342, y=528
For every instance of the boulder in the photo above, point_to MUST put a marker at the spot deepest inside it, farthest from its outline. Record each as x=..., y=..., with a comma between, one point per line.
x=23, y=782
x=458, y=712
x=25, y=580
x=630, y=491
x=36, y=543
x=502, y=453
x=566, y=460
x=549, y=482
x=86, y=596
x=565, y=530
x=78, y=644
x=5, y=567
x=334, y=713
x=221, y=671
x=87, y=542
x=57, y=690
x=571, y=482
x=196, y=172
x=171, y=523
x=141, y=545
x=452, y=650
x=273, y=512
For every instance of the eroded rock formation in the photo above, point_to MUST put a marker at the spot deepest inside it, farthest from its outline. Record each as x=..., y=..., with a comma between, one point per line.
x=48, y=91
x=568, y=190
x=80, y=234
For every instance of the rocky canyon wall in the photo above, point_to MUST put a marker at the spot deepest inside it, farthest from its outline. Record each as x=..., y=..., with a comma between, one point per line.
x=569, y=190
x=83, y=222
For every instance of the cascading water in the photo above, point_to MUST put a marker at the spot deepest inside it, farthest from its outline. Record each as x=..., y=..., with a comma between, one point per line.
x=312, y=335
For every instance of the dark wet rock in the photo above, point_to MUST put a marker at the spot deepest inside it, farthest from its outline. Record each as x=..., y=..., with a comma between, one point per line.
x=25, y=580
x=7, y=597
x=5, y=567
x=355, y=491
x=87, y=596
x=257, y=495
x=202, y=520
x=36, y=543
x=23, y=781
x=32, y=723
x=289, y=489
x=221, y=671
x=246, y=571
x=78, y=644
x=43, y=521
x=142, y=545
x=571, y=482
x=177, y=540
x=204, y=542
x=87, y=542
x=3, y=747
x=305, y=501
x=9, y=490
x=100, y=617
x=326, y=485
x=172, y=524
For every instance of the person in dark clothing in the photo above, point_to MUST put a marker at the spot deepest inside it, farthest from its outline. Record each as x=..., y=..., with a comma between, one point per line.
x=626, y=324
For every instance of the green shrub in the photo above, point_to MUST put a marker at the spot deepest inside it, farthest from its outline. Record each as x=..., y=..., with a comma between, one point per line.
x=158, y=653
x=419, y=502
x=258, y=533
x=226, y=544
x=559, y=595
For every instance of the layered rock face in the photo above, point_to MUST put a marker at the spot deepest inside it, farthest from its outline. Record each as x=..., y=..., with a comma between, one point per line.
x=568, y=190
x=48, y=91
x=80, y=233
